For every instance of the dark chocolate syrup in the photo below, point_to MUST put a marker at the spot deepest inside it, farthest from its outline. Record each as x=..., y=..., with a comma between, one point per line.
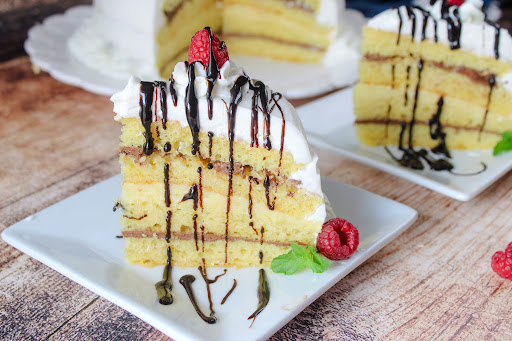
x=194, y=218
x=210, y=144
x=172, y=91
x=276, y=96
x=262, y=231
x=454, y=24
x=263, y=294
x=200, y=187
x=162, y=86
x=119, y=237
x=390, y=98
x=210, y=166
x=266, y=184
x=492, y=82
x=207, y=281
x=202, y=237
x=436, y=131
x=192, y=194
x=167, y=186
x=497, y=33
x=135, y=218
x=187, y=281
x=260, y=92
x=406, y=94
x=249, y=209
x=236, y=98
x=167, y=147
x=229, y=292
x=191, y=108
x=146, y=114
x=116, y=206
x=168, y=226
x=412, y=17
x=212, y=74
x=164, y=287
x=400, y=22
x=415, y=104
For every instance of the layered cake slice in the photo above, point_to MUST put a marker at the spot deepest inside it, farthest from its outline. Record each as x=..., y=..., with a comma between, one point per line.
x=438, y=76
x=295, y=30
x=216, y=166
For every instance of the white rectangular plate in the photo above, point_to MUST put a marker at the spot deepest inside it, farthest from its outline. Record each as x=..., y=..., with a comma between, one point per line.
x=77, y=237
x=329, y=123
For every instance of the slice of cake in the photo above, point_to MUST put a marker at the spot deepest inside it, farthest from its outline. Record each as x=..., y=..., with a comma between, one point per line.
x=215, y=165
x=147, y=38
x=294, y=30
x=437, y=76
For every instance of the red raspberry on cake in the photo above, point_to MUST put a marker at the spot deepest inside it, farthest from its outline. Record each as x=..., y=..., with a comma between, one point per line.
x=455, y=2
x=200, y=48
x=338, y=239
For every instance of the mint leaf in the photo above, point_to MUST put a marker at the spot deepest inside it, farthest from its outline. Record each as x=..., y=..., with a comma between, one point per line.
x=299, y=258
x=505, y=144
x=288, y=263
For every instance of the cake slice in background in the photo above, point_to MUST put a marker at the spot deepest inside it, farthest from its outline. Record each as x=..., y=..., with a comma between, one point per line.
x=215, y=165
x=297, y=30
x=141, y=37
x=439, y=72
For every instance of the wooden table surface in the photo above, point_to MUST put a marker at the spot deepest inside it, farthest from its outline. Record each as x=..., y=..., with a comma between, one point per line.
x=433, y=282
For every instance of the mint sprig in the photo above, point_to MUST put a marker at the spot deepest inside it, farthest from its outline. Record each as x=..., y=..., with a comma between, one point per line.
x=505, y=144
x=299, y=258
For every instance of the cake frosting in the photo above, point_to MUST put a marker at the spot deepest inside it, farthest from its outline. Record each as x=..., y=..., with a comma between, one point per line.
x=126, y=105
x=477, y=35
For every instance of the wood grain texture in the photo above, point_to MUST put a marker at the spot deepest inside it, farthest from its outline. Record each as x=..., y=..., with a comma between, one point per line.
x=432, y=282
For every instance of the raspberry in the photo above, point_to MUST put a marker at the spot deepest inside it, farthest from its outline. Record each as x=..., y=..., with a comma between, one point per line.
x=338, y=240
x=508, y=250
x=455, y=2
x=200, y=49
x=502, y=264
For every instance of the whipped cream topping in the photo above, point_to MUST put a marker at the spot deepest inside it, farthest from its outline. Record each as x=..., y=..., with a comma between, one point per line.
x=126, y=105
x=477, y=36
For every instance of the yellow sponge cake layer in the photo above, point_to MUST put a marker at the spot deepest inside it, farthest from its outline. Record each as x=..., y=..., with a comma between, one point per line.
x=183, y=19
x=276, y=29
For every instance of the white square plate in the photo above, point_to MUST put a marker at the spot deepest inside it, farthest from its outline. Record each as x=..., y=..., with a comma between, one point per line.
x=329, y=123
x=77, y=237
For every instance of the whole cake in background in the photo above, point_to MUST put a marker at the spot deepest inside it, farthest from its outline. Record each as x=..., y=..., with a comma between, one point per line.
x=438, y=76
x=147, y=37
x=216, y=166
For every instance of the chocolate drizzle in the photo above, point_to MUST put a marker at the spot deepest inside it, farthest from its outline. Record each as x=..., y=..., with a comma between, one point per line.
x=412, y=158
x=191, y=108
x=191, y=194
x=412, y=17
x=164, y=287
x=497, y=34
x=266, y=184
x=262, y=231
x=202, y=271
x=162, y=86
x=236, y=98
x=168, y=226
x=454, y=24
x=210, y=144
x=212, y=73
x=492, y=82
x=263, y=295
x=276, y=96
x=260, y=92
x=172, y=91
x=436, y=130
x=167, y=147
x=229, y=292
x=400, y=22
x=194, y=218
x=187, y=281
x=146, y=114
x=406, y=93
x=200, y=187
x=167, y=186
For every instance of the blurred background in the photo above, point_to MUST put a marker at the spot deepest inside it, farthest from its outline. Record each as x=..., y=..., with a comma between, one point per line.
x=17, y=16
